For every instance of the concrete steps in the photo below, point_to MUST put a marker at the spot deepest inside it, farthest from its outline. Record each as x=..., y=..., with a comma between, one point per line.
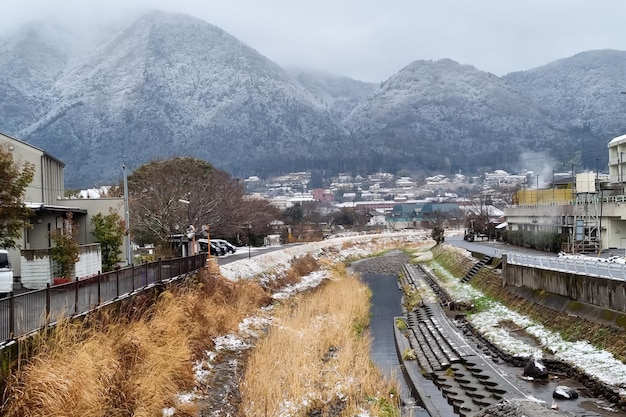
x=477, y=267
x=461, y=374
x=413, y=273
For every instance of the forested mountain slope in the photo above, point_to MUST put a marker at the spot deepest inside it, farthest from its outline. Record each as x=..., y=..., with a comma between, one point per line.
x=171, y=84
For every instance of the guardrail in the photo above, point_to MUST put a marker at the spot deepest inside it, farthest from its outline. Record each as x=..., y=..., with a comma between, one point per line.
x=595, y=267
x=22, y=314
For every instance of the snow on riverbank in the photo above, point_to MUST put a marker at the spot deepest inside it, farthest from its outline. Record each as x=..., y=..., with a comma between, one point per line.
x=600, y=364
x=338, y=249
x=595, y=362
x=264, y=267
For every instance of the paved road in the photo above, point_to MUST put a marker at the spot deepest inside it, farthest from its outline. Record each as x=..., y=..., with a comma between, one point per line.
x=546, y=260
x=493, y=248
x=245, y=252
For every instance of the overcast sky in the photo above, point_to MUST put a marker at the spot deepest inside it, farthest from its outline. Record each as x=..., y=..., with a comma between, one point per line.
x=371, y=40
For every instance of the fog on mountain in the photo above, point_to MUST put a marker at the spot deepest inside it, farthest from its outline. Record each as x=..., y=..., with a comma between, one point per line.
x=174, y=85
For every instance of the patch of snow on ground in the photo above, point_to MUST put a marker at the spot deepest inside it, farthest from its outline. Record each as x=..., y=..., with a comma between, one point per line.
x=202, y=368
x=230, y=342
x=254, y=326
x=356, y=246
x=596, y=362
x=308, y=282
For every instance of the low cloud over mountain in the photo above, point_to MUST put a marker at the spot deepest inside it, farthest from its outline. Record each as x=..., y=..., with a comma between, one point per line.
x=171, y=84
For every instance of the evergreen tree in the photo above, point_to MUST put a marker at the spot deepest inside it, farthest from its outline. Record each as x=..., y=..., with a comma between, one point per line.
x=108, y=230
x=65, y=252
x=14, y=215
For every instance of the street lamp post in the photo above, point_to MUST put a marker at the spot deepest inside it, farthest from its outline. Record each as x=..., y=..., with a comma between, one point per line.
x=207, y=229
x=191, y=233
x=249, y=242
x=191, y=230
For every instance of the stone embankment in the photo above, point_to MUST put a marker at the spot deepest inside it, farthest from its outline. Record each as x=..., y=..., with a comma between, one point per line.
x=462, y=374
x=452, y=376
x=390, y=263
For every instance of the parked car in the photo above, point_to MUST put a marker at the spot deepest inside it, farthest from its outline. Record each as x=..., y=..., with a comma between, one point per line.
x=218, y=248
x=227, y=245
x=206, y=246
x=6, y=273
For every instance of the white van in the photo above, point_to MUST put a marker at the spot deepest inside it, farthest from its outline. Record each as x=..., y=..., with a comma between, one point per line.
x=6, y=273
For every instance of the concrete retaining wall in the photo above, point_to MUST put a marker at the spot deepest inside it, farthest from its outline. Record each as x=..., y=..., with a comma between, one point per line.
x=602, y=292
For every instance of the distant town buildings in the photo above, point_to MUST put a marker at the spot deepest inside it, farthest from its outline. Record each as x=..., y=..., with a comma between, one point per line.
x=392, y=201
x=385, y=189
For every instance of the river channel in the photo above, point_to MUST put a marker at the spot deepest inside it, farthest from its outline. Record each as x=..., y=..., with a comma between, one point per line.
x=386, y=305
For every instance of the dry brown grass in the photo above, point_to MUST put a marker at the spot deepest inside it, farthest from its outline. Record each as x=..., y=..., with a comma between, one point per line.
x=300, y=266
x=318, y=358
x=134, y=361
x=125, y=366
x=72, y=361
x=216, y=306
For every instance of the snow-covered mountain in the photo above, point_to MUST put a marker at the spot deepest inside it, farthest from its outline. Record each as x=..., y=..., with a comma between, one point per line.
x=340, y=94
x=30, y=63
x=443, y=115
x=170, y=84
x=581, y=95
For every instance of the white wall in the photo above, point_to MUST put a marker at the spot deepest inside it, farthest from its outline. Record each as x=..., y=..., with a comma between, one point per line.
x=90, y=262
x=38, y=269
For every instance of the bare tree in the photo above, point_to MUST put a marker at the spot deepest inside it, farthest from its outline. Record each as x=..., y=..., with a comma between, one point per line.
x=478, y=218
x=437, y=218
x=258, y=214
x=393, y=222
x=456, y=217
x=220, y=204
x=166, y=196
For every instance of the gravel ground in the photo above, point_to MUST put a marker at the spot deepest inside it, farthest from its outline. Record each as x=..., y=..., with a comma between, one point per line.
x=388, y=264
x=221, y=392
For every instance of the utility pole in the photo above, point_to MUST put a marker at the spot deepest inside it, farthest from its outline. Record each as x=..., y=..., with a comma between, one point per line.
x=553, y=187
x=537, y=188
x=129, y=250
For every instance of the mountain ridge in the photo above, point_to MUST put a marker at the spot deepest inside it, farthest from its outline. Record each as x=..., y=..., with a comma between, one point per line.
x=170, y=84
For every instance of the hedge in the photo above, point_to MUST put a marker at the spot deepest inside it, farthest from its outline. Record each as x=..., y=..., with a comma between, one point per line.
x=544, y=241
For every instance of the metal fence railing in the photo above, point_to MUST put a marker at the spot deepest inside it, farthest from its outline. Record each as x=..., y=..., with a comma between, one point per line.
x=22, y=314
x=595, y=267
